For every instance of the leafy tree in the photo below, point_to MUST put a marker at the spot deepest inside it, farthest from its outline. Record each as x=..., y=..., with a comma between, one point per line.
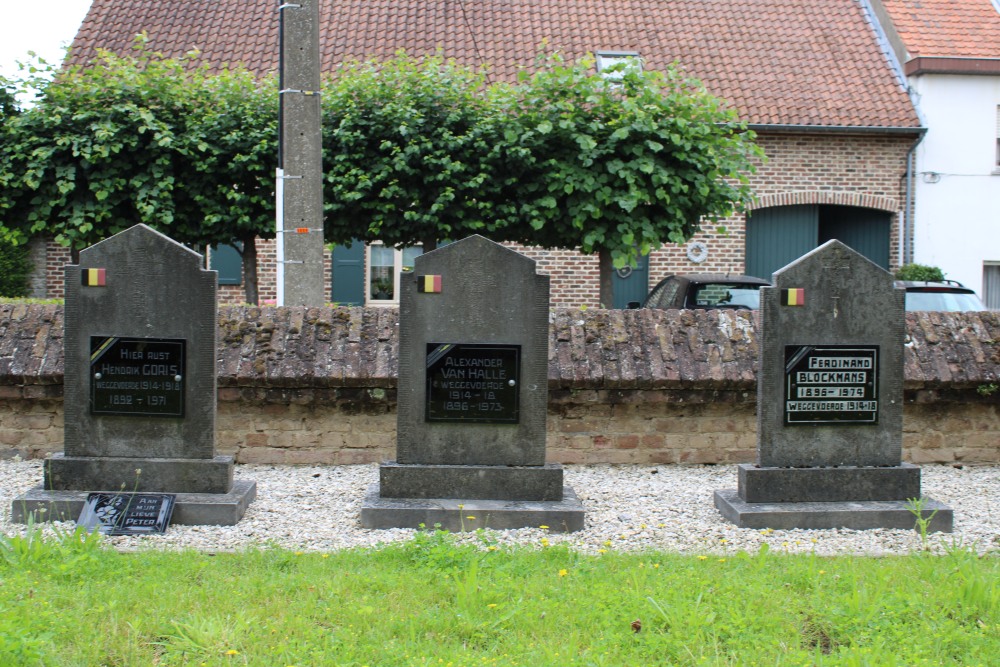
x=142, y=138
x=920, y=273
x=623, y=164
x=412, y=147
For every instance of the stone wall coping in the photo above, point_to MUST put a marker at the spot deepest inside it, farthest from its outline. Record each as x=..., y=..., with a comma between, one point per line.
x=706, y=355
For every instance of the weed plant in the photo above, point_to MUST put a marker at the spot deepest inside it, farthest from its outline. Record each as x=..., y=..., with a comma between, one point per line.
x=435, y=602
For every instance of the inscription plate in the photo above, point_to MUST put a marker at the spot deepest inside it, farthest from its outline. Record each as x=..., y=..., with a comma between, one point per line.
x=831, y=384
x=473, y=383
x=127, y=513
x=137, y=376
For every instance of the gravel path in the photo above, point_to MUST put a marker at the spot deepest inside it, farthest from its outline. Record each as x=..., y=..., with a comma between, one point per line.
x=629, y=507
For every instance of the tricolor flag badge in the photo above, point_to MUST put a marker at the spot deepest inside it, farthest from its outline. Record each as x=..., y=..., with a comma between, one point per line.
x=793, y=297
x=94, y=277
x=429, y=284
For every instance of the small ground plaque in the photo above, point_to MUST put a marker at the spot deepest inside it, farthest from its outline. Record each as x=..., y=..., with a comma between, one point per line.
x=142, y=377
x=473, y=383
x=127, y=513
x=831, y=383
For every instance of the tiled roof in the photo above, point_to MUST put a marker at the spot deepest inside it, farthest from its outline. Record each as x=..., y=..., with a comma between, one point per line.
x=949, y=28
x=778, y=62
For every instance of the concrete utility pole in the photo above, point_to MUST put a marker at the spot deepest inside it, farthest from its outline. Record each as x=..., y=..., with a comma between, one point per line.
x=300, y=163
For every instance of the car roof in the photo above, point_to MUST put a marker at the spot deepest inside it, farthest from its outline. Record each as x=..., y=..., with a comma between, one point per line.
x=722, y=278
x=929, y=286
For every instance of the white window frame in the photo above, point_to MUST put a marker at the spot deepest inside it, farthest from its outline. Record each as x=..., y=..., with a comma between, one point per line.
x=607, y=59
x=397, y=269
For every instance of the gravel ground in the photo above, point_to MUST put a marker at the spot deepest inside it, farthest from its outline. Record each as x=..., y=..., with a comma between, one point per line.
x=629, y=507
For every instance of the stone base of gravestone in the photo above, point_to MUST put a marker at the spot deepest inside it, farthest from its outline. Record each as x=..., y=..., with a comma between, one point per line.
x=855, y=497
x=500, y=497
x=457, y=514
x=190, y=509
x=864, y=515
x=205, y=490
x=69, y=473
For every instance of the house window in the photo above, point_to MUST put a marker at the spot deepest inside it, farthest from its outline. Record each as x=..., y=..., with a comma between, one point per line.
x=226, y=259
x=384, y=266
x=608, y=59
x=991, y=285
x=998, y=137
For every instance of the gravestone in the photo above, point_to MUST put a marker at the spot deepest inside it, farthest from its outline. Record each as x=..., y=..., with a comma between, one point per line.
x=139, y=384
x=472, y=398
x=830, y=403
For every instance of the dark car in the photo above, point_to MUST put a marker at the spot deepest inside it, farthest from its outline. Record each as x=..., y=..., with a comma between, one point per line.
x=950, y=296
x=706, y=290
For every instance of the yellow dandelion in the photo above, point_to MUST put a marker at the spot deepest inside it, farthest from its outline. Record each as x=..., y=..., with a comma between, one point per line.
x=545, y=541
x=544, y=527
x=722, y=560
x=656, y=565
x=491, y=605
x=602, y=551
x=326, y=555
x=563, y=573
x=607, y=543
x=232, y=651
x=298, y=553
x=702, y=557
x=471, y=518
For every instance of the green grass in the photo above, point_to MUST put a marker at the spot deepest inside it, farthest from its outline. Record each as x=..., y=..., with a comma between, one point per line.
x=433, y=602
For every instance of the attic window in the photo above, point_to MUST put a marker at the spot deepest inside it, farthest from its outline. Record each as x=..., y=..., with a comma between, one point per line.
x=608, y=59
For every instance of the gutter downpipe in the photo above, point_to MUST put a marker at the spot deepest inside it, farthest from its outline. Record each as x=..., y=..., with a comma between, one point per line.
x=909, y=206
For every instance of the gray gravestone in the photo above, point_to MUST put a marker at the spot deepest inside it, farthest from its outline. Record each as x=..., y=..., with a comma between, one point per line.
x=139, y=384
x=472, y=398
x=830, y=402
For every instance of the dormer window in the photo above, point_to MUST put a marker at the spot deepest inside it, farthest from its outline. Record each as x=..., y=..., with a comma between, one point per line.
x=608, y=59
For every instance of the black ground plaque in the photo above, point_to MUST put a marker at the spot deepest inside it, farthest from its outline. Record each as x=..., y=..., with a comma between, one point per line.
x=831, y=384
x=473, y=383
x=137, y=376
x=127, y=513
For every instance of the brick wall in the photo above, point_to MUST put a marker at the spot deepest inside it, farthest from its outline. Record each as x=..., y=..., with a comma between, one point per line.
x=655, y=387
x=852, y=170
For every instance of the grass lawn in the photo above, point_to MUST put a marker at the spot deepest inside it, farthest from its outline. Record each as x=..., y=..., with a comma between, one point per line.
x=430, y=601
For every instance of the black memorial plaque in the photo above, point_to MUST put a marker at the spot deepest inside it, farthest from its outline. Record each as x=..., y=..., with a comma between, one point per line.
x=831, y=384
x=141, y=377
x=127, y=513
x=473, y=383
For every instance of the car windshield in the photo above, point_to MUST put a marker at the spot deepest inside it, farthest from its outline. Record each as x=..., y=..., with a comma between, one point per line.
x=946, y=301
x=725, y=295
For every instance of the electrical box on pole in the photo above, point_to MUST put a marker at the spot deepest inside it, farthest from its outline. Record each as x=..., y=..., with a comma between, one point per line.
x=299, y=188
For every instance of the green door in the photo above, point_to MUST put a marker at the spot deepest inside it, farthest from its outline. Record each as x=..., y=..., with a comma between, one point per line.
x=631, y=284
x=863, y=229
x=348, y=274
x=778, y=236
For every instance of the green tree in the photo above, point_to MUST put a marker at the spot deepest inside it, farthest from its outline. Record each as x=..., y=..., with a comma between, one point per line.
x=412, y=148
x=141, y=138
x=621, y=165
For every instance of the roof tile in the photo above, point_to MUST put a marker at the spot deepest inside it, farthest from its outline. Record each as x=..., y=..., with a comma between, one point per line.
x=784, y=62
x=947, y=28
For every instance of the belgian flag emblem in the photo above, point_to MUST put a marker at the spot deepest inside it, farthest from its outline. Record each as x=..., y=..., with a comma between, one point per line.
x=793, y=297
x=429, y=284
x=94, y=277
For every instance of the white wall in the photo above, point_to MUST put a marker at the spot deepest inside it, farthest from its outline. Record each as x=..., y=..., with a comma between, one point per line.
x=958, y=204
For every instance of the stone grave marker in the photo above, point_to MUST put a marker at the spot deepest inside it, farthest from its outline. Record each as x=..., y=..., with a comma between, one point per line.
x=830, y=403
x=139, y=385
x=472, y=398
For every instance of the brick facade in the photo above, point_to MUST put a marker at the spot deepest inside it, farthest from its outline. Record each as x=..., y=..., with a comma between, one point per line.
x=864, y=170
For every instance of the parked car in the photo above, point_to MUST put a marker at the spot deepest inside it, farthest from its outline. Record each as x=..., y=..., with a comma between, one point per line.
x=703, y=291
x=948, y=296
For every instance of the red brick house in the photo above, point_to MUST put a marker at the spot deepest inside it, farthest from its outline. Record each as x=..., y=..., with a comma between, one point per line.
x=813, y=79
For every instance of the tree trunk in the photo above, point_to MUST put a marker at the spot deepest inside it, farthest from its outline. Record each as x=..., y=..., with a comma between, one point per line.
x=606, y=270
x=249, y=255
x=429, y=244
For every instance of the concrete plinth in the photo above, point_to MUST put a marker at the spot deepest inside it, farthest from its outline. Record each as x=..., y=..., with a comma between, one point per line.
x=855, y=515
x=453, y=514
x=472, y=482
x=173, y=475
x=190, y=509
x=758, y=484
